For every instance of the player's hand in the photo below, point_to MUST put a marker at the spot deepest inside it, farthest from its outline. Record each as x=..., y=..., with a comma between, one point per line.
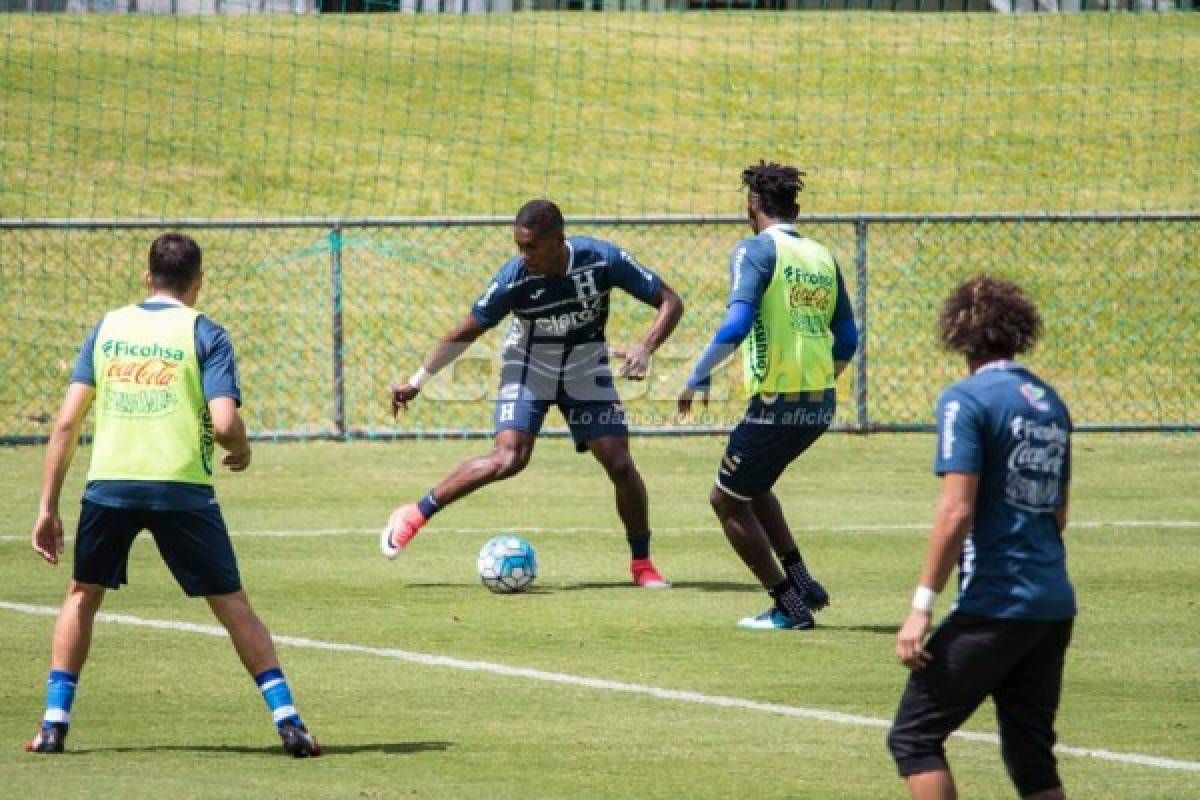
x=684, y=402
x=637, y=362
x=48, y=536
x=910, y=641
x=402, y=394
x=237, y=460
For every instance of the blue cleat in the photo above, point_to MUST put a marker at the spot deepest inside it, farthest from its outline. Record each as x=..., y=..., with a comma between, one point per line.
x=775, y=620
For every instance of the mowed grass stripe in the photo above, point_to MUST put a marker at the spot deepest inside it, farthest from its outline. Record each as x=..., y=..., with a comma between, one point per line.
x=677, y=695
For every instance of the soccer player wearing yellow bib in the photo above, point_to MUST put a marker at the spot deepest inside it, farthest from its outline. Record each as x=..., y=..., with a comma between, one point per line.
x=164, y=383
x=788, y=305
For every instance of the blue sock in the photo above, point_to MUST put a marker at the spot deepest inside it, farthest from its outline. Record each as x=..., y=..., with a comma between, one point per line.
x=275, y=691
x=60, y=694
x=428, y=506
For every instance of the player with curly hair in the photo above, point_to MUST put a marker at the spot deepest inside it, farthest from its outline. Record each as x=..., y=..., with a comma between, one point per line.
x=1004, y=457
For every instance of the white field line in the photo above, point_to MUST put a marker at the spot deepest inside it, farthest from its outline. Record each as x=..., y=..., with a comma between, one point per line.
x=600, y=684
x=810, y=529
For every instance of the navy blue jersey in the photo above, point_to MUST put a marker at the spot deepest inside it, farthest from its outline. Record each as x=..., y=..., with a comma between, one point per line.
x=218, y=373
x=558, y=323
x=752, y=266
x=1007, y=426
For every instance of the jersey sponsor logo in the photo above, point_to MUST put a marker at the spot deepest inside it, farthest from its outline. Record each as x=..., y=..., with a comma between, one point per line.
x=153, y=403
x=149, y=372
x=562, y=324
x=206, y=443
x=758, y=349
x=1035, y=465
x=585, y=284
x=508, y=412
x=793, y=275
x=736, y=269
x=534, y=295
x=115, y=348
x=1035, y=396
x=949, y=415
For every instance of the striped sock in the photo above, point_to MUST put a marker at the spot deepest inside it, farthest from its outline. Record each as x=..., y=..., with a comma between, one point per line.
x=275, y=691
x=60, y=694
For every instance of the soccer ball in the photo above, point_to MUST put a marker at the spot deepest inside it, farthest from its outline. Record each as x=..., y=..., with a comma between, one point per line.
x=507, y=564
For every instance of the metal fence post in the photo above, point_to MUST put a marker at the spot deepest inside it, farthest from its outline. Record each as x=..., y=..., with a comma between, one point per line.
x=860, y=357
x=338, y=359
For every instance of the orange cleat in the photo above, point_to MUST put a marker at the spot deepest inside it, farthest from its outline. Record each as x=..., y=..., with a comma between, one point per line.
x=401, y=528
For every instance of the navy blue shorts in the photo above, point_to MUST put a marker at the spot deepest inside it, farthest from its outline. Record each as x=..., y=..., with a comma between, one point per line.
x=773, y=432
x=1018, y=663
x=194, y=544
x=591, y=413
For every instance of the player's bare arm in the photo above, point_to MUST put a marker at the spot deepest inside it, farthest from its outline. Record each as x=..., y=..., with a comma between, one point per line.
x=670, y=311
x=64, y=438
x=230, y=432
x=951, y=523
x=452, y=345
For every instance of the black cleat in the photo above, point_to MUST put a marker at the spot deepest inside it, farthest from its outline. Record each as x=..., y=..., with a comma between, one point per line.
x=814, y=594
x=50, y=739
x=298, y=742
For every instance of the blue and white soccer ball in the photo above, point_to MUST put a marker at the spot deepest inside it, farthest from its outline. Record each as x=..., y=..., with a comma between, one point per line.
x=507, y=564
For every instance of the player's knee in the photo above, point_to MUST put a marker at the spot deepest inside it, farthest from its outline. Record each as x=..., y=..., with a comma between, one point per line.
x=914, y=753
x=86, y=597
x=508, y=462
x=723, y=504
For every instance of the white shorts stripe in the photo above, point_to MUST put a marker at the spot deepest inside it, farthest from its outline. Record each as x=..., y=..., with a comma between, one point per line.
x=727, y=491
x=57, y=715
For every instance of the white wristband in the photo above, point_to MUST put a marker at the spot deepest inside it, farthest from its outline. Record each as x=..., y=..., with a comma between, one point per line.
x=419, y=377
x=924, y=598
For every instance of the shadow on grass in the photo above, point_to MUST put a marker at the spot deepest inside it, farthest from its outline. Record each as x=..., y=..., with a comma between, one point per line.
x=390, y=748
x=885, y=630
x=695, y=586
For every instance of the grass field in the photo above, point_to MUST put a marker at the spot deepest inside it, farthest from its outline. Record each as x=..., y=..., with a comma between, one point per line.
x=282, y=115
x=167, y=712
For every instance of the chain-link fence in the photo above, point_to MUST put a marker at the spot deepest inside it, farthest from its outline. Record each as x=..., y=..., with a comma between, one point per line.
x=325, y=314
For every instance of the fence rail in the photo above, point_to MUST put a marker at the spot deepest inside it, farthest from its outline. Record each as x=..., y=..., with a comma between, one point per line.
x=326, y=312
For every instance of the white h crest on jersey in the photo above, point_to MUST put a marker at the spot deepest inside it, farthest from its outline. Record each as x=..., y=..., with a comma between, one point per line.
x=585, y=284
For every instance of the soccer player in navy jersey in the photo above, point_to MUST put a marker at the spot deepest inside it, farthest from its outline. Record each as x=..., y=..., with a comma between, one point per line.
x=555, y=354
x=1004, y=457
x=788, y=302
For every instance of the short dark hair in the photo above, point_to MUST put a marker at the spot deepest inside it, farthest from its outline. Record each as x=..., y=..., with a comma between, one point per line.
x=987, y=317
x=776, y=186
x=175, y=261
x=540, y=216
